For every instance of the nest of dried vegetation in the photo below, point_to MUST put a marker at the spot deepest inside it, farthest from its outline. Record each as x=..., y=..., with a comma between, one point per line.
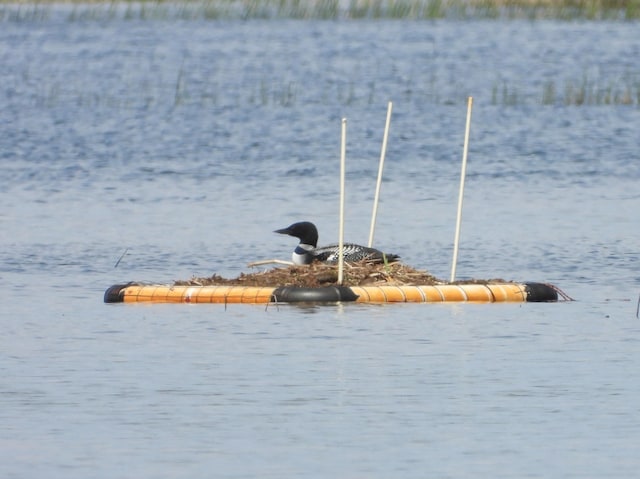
x=319, y=274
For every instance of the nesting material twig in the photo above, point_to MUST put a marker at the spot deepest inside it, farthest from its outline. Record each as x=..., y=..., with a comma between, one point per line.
x=269, y=261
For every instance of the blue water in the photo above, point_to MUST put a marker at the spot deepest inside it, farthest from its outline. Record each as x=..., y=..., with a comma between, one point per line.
x=184, y=144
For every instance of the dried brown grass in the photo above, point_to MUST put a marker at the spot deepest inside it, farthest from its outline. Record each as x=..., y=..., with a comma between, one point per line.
x=319, y=274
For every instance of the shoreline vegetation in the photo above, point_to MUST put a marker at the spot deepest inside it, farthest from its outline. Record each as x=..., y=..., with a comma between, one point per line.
x=591, y=89
x=564, y=10
x=267, y=93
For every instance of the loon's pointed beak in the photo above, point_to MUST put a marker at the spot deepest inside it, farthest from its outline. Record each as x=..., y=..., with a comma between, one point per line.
x=283, y=231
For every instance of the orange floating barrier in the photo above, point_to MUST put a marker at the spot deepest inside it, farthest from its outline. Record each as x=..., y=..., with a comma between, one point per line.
x=133, y=293
x=482, y=293
x=440, y=293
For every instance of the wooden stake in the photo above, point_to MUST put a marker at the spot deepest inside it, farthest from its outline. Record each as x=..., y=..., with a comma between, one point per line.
x=378, y=184
x=463, y=173
x=343, y=154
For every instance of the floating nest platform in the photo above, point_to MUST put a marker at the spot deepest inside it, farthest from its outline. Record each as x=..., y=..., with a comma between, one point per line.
x=319, y=274
x=318, y=283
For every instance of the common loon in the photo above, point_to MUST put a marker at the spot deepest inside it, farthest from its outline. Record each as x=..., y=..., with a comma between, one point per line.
x=307, y=250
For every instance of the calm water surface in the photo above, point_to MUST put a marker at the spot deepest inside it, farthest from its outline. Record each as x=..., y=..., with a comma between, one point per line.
x=186, y=143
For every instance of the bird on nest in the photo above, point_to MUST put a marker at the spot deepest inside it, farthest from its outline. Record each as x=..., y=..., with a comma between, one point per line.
x=307, y=249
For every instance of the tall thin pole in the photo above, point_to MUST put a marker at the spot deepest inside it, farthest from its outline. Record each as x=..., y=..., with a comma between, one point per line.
x=463, y=173
x=383, y=152
x=343, y=154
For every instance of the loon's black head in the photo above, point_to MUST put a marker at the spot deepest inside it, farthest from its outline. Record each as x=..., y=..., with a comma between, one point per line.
x=305, y=231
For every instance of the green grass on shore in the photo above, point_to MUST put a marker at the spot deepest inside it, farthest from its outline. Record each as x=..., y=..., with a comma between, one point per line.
x=327, y=9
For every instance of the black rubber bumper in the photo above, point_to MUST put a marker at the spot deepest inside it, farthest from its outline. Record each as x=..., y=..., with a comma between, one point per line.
x=540, y=293
x=293, y=294
x=114, y=294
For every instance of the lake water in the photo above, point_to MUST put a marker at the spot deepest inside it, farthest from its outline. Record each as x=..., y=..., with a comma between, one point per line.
x=184, y=144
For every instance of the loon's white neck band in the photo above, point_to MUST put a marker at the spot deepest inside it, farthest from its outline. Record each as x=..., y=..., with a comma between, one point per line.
x=302, y=254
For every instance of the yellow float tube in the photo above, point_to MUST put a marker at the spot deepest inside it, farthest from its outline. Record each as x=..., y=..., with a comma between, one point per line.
x=441, y=293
